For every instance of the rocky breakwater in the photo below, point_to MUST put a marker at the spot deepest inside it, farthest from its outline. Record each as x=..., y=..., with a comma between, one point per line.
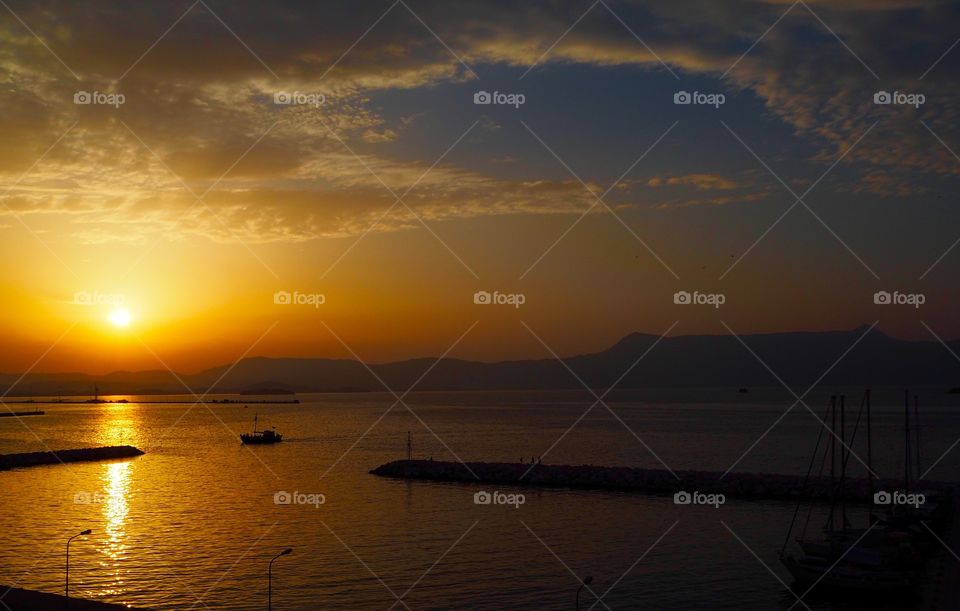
x=34, y=459
x=651, y=481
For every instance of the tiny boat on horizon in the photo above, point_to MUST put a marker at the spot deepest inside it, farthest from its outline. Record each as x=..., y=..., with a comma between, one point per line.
x=260, y=437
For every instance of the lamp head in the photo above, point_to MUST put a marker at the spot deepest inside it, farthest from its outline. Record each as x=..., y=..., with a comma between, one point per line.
x=86, y=532
x=289, y=550
x=587, y=580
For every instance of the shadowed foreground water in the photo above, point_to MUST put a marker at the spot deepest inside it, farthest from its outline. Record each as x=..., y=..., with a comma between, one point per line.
x=193, y=523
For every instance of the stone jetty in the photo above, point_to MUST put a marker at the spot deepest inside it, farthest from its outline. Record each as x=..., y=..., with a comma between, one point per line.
x=18, y=599
x=34, y=459
x=651, y=481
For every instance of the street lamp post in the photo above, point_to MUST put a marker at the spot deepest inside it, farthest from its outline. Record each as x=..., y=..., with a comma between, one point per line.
x=66, y=583
x=270, y=577
x=586, y=581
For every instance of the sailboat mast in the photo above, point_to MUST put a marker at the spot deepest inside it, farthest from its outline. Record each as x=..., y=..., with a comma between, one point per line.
x=833, y=460
x=843, y=462
x=869, y=456
x=906, y=440
x=916, y=423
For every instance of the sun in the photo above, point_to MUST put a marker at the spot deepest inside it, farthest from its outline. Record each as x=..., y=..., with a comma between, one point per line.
x=120, y=317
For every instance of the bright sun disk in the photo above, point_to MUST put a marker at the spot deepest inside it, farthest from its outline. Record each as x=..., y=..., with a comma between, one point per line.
x=120, y=317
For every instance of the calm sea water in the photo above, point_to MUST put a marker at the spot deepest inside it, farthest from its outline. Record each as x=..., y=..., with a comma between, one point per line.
x=193, y=523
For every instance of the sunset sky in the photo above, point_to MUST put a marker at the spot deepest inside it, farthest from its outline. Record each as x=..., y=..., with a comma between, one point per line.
x=200, y=196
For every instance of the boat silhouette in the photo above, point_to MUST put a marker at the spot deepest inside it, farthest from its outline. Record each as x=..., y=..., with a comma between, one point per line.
x=260, y=437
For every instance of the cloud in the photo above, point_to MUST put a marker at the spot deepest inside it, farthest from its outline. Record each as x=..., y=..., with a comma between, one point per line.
x=701, y=182
x=200, y=113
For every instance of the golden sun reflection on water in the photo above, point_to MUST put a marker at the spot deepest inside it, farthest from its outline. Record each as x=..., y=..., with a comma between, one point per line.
x=117, y=426
x=118, y=423
x=117, y=485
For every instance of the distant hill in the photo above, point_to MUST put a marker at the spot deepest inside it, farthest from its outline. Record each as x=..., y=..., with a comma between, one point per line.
x=683, y=361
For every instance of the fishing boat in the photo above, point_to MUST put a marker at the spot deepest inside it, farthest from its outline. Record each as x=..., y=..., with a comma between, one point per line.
x=260, y=437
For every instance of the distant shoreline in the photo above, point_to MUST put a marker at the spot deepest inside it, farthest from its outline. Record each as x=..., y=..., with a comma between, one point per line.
x=169, y=402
